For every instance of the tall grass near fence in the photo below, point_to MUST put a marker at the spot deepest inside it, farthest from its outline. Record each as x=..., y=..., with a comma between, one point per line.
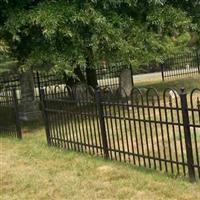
x=9, y=114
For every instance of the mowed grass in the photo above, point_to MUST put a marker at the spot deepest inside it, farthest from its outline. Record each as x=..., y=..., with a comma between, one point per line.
x=32, y=170
x=189, y=83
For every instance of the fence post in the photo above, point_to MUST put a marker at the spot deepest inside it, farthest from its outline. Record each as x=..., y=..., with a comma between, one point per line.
x=162, y=71
x=198, y=61
x=187, y=134
x=102, y=123
x=132, y=75
x=17, y=120
x=45, y=116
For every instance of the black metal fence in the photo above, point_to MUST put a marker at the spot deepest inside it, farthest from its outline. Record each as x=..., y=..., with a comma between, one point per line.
x=9, y=114
x=179, y=66
x=109, y=76
x=41, y=80
x=9, y=81
x=146, y=129
x=44, y=80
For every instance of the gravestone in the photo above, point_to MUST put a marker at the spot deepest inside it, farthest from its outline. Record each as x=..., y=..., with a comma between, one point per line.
x=29, y=107
x=126, y=82
x=81, y=93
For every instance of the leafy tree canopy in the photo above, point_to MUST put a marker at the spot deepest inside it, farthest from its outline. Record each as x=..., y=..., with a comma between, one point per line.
x=66, y=33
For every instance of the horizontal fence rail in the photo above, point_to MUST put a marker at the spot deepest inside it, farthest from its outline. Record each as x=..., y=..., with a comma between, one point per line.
x=146, y=129
x=179, y=66
x=9, y=114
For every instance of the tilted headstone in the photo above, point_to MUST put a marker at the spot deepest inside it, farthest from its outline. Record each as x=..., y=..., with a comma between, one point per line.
x=81, y=93
x=29, y=107
x=126, y=82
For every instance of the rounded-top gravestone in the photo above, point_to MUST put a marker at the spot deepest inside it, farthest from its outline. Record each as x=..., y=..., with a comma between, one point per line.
x=126, y=82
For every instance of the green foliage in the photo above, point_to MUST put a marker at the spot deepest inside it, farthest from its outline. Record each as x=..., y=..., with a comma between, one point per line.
x=86, y=32
x=192, y=8
x=3, y=47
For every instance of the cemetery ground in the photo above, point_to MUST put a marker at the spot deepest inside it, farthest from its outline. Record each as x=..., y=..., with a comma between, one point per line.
x=31, y=170
x=155, y=82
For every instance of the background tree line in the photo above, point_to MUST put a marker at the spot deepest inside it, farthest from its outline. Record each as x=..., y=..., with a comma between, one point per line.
x=72, y=35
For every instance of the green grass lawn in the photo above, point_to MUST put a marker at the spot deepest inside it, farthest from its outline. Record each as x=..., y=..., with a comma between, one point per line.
x=188, y=83
x=32, y=170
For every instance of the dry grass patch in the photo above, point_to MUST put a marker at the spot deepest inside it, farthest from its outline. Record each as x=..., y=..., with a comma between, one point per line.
x=32, y=170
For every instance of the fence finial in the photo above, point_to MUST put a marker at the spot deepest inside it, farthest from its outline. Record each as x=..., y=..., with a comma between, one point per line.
x=183, y=91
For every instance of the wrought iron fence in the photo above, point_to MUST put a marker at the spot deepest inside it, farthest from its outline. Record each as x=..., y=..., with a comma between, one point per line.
x=44, y=80
x=183, y=65
x=146, y=129
x=106, y=77
x=9, y=81
x=41, y=80
x=9, y=114
x=109, y=76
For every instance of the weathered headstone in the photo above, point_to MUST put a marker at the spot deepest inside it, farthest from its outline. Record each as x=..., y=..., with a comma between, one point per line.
x=29, y=107
x=126, y=82
x=81, y=93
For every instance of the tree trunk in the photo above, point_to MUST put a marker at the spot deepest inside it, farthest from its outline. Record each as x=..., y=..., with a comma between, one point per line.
x=91, y=77
x=91, y=74
x=72, y=81
x=80, y=74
